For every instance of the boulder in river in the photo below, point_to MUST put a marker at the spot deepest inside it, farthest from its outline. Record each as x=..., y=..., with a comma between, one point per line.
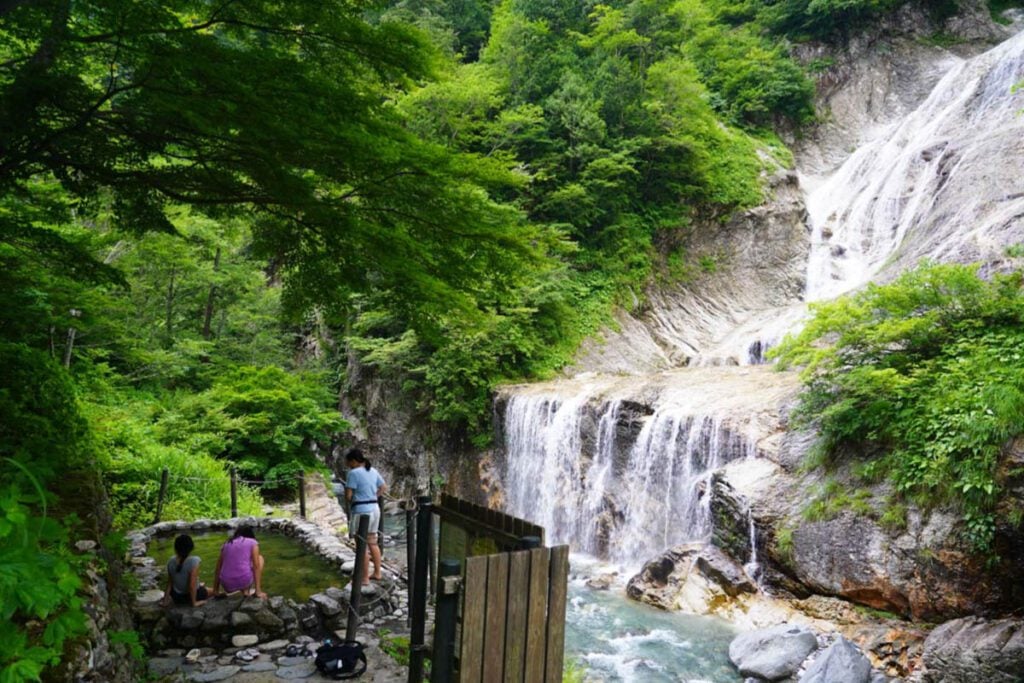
x=842, y=662
x=772, y=653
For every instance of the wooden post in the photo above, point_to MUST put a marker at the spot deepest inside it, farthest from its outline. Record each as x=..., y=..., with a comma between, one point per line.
x=380, y=526
x=358, y=575
x=445, y=615
x=234, y=492
x=410, y=557
x=418, y=603
x=432, y=562
x=302, y=495
x=160, y=498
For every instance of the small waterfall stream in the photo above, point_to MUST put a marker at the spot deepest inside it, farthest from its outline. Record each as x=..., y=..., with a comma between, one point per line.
x=620, y=468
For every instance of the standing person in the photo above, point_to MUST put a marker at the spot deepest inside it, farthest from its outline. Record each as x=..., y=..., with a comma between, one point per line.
x=183, y=587
x=240, y=565
x=362, y=488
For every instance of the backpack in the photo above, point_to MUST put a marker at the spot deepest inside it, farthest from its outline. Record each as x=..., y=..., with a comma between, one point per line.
x=341, y=660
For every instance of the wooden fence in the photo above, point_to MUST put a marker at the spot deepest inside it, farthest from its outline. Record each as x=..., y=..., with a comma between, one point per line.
x=513, y=617
x=476, y=530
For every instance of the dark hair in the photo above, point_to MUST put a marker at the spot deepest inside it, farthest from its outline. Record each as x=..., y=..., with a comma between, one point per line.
x=183, y=545
x=356, y=455
x=244, y=531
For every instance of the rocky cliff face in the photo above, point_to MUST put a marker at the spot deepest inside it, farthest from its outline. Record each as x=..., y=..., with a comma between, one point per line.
x=731, y=312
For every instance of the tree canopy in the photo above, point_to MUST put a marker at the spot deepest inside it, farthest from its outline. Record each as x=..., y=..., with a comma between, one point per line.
x=279, y=111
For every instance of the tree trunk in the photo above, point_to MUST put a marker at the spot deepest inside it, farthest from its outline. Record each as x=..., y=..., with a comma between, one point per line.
x=211, y=298
x=169, y=327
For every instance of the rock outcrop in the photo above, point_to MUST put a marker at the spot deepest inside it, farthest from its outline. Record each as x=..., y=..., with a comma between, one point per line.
x=923, y=570
x=728, y=314
x=695, y=578
x=972, y=650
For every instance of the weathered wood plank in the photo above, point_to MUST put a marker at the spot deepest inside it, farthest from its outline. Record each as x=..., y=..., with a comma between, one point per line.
x=471, y=651
x=557, y=595
x=515, y=626
x=494, y=619
x=537, y=615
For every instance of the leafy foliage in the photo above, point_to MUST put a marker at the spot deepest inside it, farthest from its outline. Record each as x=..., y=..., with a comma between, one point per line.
x=922, y=376
x=41, y=434
x=263, y=419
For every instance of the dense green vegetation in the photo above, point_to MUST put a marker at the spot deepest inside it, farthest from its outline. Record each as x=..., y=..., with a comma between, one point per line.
x=203, y=206
x=922, y=381
x=164, y=168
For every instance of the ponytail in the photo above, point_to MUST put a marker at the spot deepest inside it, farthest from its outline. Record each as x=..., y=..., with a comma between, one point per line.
x=183, y=545
x=355, y=455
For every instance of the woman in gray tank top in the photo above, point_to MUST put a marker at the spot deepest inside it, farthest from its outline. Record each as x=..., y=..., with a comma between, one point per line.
x=183, y=587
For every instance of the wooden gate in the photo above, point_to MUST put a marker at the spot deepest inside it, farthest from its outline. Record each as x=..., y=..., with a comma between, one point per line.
x=513, y=617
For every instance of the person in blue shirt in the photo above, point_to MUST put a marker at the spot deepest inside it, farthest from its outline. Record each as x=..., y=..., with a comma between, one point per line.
x=363, y=486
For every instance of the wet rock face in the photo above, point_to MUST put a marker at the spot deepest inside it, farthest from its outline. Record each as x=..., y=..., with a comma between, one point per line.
x=925, y=571
x=695, y=578
x=972, y=650
x=759, y=256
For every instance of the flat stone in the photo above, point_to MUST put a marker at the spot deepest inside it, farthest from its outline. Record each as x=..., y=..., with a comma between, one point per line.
x=328, y=606
x=191, y=620
x=240, y=619
x=219, y=674
x=259, y=667
x=152, y=595
x=292, y=661
x=85, y=546
x=163, y=666
x=244, y=640
x=304, y=670
x=273, y=645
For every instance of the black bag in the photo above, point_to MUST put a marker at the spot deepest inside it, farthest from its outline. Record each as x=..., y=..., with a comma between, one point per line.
x=341, y=660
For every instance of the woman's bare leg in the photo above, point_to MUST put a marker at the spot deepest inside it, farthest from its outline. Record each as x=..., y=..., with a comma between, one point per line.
x=374, y=555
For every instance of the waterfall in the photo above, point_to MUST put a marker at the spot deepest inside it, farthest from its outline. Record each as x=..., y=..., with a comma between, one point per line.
x=927, y=175
x=585, y=460
x=626, y=497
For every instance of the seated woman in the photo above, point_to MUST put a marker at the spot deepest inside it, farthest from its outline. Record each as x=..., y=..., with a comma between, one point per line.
x=240, y=565
x=183, y=587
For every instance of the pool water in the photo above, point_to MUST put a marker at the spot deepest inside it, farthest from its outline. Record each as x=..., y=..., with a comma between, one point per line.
x=614, y=639
x=290, y=569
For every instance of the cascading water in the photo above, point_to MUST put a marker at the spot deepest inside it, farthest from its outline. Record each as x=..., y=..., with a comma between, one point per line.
x=623, y=497
x=919, y=177
x=623, y=472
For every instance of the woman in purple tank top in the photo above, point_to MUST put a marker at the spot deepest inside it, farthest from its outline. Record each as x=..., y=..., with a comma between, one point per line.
x=240, y=565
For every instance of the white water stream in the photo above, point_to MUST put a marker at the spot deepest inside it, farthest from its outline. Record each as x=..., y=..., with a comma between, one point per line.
x=613, y=478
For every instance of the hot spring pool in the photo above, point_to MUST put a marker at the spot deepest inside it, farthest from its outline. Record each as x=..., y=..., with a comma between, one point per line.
x=291, y=569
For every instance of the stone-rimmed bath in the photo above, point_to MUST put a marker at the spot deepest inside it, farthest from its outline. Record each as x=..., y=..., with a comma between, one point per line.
x=218, y=623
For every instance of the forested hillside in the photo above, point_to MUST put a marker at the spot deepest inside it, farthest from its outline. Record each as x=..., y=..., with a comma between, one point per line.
x=203, y=204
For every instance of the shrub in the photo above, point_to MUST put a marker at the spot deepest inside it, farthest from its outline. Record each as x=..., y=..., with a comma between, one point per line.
x=923, y=377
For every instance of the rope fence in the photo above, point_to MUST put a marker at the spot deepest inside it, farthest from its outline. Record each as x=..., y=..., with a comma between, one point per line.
x=409, y=505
